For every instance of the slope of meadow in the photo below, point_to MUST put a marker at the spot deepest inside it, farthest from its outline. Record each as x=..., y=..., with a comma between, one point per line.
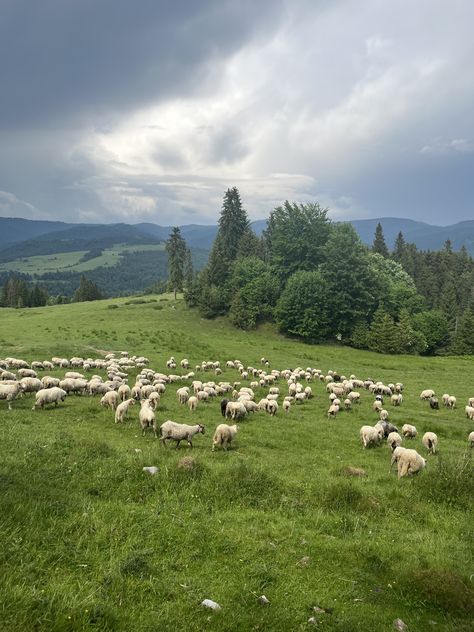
x=91, y=542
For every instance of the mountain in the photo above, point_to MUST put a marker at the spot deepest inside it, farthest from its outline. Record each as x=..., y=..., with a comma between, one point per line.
x=16, y=229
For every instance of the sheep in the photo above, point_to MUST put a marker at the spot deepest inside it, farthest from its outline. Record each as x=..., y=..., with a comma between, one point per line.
x=451, y=402
x=377, y=406
x=272, y=407
x=370, y=435
x=471, y=439
x=347, y=404
x=387, y=427
x=470, y=412
x=286, y=405
x=263, y=403
x=409, y=431
x=49, y=396
x=224, y=403
x=383, y=414
x=300, y=397
x=430, y=441
x=235, y=410
x=223, y=436
x=426, y=394
x=146, y=417
x=354, y=397
x=408, y=461
x=394, y=440
x=182, y=394
x=154, y=399
x=179, y=432
x=434, y=404
x=250, y=406
x=122, y=409
x=74, y=375
x=10, y=391
x=30, y=384
x=192, y=403
x=27, y=373
x=445, y=399
x=48, y=382
x=110, y=400
x=396, y=399
x=471, y=402
x=333, y=410
x=308, y=392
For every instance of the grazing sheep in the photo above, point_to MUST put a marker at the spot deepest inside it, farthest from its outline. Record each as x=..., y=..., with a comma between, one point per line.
x=470, y=412
x=203, y=396
x=371, y=435
x=235, y=410
x=48, y=382
x=147, y=417
x=471, y=439
x=30, y=384
x=434, y=404
x=445, y=399
x=387, y=427
x=224, y=403
x=332, y=411
x=383, y=414
x=451, y=402
x=192, y=403
x=347, y=404
x=124, y=392
x=250, y=406
x=286, y=405
x=377, y=406
x=430, y=441
x=409, y=431
x=471, y=402
x=49, y=396
x=10, y=391
x=223, y=436
x=354, y=397
x=121, y=411
x=396, y=399
x=426, y=394
x=408, y=461
x=182, y=394
x=272, y=407
x=154, y=399
x=300, y=397
x=179, y=432
x=110, y=400
x=394, y=440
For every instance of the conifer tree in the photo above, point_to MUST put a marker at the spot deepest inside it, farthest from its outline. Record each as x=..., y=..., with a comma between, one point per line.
x=379, y=244
x=399, y=248
x=463, y=339
x=87, y=291
x=188, y=271
x=383, y=333
x=176, y=249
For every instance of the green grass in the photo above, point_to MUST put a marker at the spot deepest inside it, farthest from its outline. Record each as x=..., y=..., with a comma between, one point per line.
x=91, y=542
x=69, y=261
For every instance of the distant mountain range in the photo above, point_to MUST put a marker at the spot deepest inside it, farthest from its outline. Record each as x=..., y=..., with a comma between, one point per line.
x=25, y=238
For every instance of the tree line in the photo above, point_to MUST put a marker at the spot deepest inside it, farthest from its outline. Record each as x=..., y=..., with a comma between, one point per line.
x=319, y=282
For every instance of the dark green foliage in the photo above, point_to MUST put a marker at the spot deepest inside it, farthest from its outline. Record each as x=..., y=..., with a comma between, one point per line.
x=188, y=271
x=295, y=237
x=87, y=291
x=256, y=292
x=383, y=333
x=302, y=309
x=433, y=325
x=443, y=588
x=451, y=482
x=360, y=335
x=379, y=246
x=408, y=340
x=177, y=257
x=16, y=293
x=463, y=339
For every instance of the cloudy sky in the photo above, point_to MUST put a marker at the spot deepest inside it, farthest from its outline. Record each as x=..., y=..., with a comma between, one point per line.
x=113, y=110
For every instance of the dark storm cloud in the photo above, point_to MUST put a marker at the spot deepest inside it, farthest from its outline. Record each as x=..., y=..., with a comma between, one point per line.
x=61, y=59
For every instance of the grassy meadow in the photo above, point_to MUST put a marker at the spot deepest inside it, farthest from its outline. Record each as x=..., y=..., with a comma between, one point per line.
x=91, y=542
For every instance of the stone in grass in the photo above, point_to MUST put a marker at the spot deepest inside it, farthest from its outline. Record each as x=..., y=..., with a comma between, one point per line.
x=263, y=600
x=186, y=463
x=152, y=469
x=400, y=625
x=208, y=603
x=353, y=471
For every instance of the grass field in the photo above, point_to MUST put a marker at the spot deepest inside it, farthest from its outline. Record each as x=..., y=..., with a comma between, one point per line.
x=70, y=261
x=91, y=542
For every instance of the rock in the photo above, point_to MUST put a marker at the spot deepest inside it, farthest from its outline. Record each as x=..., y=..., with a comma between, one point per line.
x=400, y=625
x=313, y=621
x=208, y=603
x=263, y=600
x=152, y=469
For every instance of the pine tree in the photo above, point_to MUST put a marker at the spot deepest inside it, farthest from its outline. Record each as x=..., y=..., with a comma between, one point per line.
x=379, y=244
x=87, y=291
x=399, y=248
x=188, y=271
x=463, y=339
x=176, y=249
x=383, y=333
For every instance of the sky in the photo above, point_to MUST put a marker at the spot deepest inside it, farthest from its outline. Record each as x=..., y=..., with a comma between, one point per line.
x=120, y=111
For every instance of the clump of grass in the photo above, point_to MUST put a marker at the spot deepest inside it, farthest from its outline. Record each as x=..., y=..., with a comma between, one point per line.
x=343, y=495
x=443, y=588
x=157, y=306
x=248, y=486
x=137, y=565
x=112, y=306
x=451, y=481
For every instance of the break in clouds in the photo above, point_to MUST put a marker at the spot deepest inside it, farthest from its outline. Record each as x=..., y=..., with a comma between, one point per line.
x=149, y=111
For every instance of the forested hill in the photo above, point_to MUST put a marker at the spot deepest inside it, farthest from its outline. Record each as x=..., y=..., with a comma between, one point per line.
x=40, y=237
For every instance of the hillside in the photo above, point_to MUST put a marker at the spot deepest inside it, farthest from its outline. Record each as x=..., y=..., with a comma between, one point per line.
x=92, y=542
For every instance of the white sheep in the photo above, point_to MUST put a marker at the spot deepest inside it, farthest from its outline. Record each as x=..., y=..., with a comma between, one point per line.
x=471, y=439
x=235, y=410
x=52, y=395
x=383, y=414
x=224, y=435
x=146, y=416
x=396, y=399
x=445, y=399
x=408, y=461
x=471, y=402
x=409, y=431
x=30, y=384
x=48, y=382
x=192, y=403
x=10, y=391
x=347, y=404
x=272, y=407
x=470, y=412
x=179, y=432
x=371, y=435
x=377, y=406
x=182, y=394
x=286, y=405
x=300, y=397
x=430, y=441
x=451, y=402
x=110, y=400
x=394, y=440
x=426, y=394
x=333, y=410
x=121, y=411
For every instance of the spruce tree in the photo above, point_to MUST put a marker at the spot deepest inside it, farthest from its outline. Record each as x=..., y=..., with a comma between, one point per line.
x=463, y=339
x=188, y=271
x=87, y=291
x=379, y=244
x=176, y=249
x=399, y=248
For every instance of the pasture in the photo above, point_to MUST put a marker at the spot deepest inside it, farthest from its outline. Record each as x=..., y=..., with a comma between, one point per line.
x=91, y=542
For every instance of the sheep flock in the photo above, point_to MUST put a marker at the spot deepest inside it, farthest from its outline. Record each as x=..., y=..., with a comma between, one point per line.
x=256, y=390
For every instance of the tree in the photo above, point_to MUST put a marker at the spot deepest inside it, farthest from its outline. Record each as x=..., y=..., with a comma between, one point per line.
x=87, y=291
x=302, y=309
x=176, y=249
x=295, y=237
x=188, y=272
x=379, y=244
x=434, y=326
x=399, y=248
x=463, y=339
x=409, y=340
x=383, y=333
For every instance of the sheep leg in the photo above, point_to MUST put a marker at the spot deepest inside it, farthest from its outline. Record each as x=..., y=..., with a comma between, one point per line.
x=190, y=443
x=403, y=469
x=177, y=443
